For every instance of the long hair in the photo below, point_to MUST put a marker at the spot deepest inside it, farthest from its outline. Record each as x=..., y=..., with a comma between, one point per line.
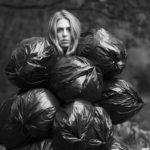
x=75, y=30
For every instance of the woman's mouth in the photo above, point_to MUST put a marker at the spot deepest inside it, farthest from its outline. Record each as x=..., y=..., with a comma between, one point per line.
x=65, y=41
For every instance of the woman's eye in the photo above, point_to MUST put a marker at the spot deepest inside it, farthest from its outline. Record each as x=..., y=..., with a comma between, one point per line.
x=59, y=30
x=68, y=29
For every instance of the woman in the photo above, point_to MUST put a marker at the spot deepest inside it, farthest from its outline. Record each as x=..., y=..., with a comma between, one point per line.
x=30, y=60
x=64, y=31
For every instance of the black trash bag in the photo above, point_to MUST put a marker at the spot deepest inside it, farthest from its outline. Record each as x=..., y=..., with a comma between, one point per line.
x=80, y=126
x=120, y=100
x=27, y=116
x=75, y=77
x=34, y=112
x=45, y=144
x=10, y=137
x=104, y=50
x=30, y=63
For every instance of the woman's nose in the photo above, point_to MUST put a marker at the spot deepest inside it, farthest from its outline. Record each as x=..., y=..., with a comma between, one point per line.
x=65, y=33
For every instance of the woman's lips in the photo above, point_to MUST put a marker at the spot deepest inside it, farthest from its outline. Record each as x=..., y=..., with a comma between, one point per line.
x=65, y=40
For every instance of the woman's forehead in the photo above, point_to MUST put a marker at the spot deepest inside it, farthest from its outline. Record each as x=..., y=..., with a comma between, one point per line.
x=61, y=23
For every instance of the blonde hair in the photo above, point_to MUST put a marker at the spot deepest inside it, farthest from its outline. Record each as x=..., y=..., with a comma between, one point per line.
x=75, y=30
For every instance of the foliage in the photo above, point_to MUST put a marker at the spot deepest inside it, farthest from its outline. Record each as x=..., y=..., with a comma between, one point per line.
x=133, y=136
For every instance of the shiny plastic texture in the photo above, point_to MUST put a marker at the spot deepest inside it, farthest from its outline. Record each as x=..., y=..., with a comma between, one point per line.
x=27, y=116
x=120, y=100
x=80, y=126
x=10, y=137
x=30, y=63
x=75, y=77
x=104, y=50
x=34, y=112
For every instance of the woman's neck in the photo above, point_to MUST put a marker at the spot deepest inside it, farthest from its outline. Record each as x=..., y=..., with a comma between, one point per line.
x=65, y=50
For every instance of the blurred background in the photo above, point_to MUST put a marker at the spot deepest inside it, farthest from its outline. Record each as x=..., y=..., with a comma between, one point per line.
x=128, y=20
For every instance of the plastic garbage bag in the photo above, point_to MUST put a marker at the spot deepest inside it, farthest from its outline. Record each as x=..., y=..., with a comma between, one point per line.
x=75, y=77
x=104, y=50
x=120, y=100
x=27, y=116
x=35, y=111
x=30, y=63
x=80, y=126
x=10, y=137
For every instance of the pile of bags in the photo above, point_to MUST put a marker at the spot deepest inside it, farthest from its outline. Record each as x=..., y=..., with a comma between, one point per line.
x=67, y=102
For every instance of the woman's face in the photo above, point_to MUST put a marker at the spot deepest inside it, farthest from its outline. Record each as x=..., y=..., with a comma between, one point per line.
x=63, y=33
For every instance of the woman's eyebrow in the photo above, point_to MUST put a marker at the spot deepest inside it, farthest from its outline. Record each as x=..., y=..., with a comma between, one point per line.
x=59, y=27
x=63, y=28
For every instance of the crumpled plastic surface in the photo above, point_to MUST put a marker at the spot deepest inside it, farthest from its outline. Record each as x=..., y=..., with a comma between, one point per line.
x=29, y=116
x=10, y=138
x=120, y=100
x=75, y=77
x=34, y=111
x=104, y=50
x=80, y=126
x=30, y=63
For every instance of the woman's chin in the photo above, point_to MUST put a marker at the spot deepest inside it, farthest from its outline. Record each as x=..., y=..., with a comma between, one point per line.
x=65, y=45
